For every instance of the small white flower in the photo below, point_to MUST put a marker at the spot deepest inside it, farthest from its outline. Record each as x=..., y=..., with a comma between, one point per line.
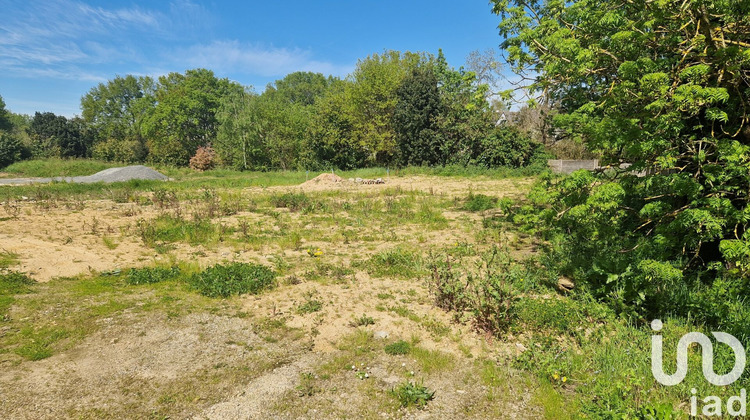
x=354, y=367
x=403, y=364
x=367, y=375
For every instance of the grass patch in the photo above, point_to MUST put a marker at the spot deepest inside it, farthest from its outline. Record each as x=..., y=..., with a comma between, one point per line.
x=8, y=259
x=14, y=283
x=49, y=168
x=39, y=342
x=397, y=262
x=233, y=279
x=432, y=360
x=398, y=348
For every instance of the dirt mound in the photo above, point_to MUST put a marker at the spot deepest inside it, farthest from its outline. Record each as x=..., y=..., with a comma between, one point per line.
x=325, y=178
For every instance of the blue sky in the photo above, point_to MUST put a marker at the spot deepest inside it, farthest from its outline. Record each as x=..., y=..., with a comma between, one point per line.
x=53, y=51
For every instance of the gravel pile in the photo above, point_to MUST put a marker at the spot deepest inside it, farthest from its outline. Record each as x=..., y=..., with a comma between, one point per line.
x=108, y=175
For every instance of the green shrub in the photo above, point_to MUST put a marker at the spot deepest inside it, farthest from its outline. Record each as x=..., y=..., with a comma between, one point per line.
x=150, y=275
x=480, y=202
x=233, y=279
x=410, y=394
x=397, y=348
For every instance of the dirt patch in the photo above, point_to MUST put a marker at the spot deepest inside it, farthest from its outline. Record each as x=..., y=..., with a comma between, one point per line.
x=148, y=360
x=324, y=178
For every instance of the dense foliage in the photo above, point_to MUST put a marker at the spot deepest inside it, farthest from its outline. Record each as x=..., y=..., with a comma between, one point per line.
x=662, y=86
x=395, y=109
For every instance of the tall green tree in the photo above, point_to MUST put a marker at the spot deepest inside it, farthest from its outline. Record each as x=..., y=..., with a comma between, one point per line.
x=302, y=88
x=415, y=118
x=11, y=147
x=373, y=96
x=116, y=109
x=332, y=142
x=56, y=136
x=184, y=117
x=5, y=117
x=662, y=86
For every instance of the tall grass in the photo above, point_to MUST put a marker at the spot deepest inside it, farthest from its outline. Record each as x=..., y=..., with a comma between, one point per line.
x=48, y=168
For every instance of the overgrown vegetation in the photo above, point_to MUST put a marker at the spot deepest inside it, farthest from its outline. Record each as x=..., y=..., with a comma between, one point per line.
x=233, y=279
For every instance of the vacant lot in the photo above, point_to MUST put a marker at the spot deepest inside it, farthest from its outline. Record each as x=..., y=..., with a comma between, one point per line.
x=350, y=326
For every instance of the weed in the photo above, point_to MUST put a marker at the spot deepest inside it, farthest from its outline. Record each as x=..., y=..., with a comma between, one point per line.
x=410, y=394
x=150, y=275
x=398, y=348
x=233, y=279
x=292, y=201
x=310, y=306
x=362, y=321
x=307, y=387
x=109, y=242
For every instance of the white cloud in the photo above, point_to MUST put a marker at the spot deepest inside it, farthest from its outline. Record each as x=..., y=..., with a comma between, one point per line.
x=54, y=37
x=246, y=58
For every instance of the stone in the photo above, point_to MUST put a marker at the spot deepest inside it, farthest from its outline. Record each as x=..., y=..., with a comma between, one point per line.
x=565, y=284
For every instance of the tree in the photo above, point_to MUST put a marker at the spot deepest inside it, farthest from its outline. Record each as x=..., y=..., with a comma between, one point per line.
x=332, y=142
x=415, y=118
x=465, y=118
x=302, y=88
x=56, y=136
x=662, y=86
x=373, y=96
x=116, y=109
x=11, y=148
x=5, y=119
x=184, y=117
x=239, y=141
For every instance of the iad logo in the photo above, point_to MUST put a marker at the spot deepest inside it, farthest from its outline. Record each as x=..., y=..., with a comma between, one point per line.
x=707, y=350
x=712, y=405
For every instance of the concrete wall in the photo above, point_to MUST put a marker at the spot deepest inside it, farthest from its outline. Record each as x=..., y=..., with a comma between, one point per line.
x=569, y=166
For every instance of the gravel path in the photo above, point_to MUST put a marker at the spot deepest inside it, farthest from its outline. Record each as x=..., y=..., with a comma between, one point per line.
x=108, y=175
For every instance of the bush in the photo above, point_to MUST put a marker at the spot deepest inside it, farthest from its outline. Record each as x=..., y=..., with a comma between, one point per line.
x=487, y=294
x=480, y=202
x=397, y=348
x=507, y=146
x=204, y=159
x=233, y=279
x=150, y=275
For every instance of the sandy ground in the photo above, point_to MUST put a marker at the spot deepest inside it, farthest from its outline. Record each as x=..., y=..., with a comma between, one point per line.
x=130, y=365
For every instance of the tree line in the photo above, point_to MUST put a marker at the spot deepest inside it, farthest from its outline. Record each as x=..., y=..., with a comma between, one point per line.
x=395, y=109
